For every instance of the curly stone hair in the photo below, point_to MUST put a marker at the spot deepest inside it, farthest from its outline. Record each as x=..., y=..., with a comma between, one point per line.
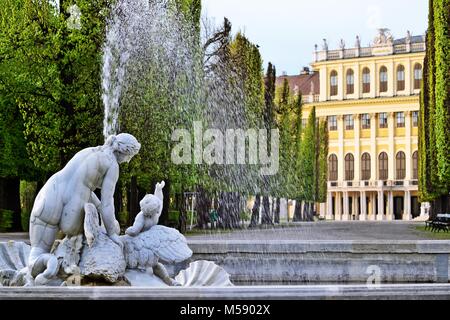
x=124, y=143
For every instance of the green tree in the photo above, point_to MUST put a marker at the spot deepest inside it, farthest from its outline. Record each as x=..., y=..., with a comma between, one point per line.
x=14, y=161
x=434, y=136
x=308, y=165
x=322, y=161
x=442, y=93
x=161, y=96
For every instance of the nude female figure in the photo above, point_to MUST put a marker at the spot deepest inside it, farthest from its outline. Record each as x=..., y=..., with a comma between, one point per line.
x=59, y=206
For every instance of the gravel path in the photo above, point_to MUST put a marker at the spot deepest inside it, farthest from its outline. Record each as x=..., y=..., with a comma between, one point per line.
x=305, y=231
x=327, y=231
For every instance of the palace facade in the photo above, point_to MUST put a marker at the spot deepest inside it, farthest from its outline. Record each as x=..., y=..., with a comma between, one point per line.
x=370, y=97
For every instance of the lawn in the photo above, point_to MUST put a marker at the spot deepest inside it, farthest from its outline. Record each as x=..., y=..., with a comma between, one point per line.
x=434, y=235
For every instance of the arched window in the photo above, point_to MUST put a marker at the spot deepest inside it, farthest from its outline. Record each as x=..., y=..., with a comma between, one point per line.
x=383, y=79
x=333, y=83
x=349, y=167
x=333, y=168
x=365, y=167
x=415, y=165
x=400, y=78
x=350, y=81
x=366, y=80
x=383, y=162
x=400, y=165
x=417, y=76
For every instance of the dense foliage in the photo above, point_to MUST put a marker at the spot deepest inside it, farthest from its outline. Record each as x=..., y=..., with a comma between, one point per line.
x=434, y=140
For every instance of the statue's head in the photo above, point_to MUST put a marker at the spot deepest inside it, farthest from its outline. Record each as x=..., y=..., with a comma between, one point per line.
x=124, y=146
x=151, y=205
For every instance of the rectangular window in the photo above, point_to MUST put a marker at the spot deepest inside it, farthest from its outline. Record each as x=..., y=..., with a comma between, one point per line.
x=400, y=116
x=383, y=120
x=349, y=123
x=332, y=123
x=365, y=121
x=415, y=119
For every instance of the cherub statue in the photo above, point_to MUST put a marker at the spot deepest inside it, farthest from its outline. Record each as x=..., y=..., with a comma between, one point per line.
x=151, y=208
x=146, y=243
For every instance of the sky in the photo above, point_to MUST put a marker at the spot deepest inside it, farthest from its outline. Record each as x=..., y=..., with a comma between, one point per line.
x=287, y=30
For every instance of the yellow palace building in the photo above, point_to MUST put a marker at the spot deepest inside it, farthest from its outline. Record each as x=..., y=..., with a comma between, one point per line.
x=370, y=97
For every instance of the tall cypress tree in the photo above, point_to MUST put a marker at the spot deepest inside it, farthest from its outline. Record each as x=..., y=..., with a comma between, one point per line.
x=322, y=155
x=308, y=165
x=297, y=153
x=434, y=136
x=442, y=95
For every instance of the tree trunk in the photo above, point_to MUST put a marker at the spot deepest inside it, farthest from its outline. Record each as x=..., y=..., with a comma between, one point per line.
x=182, y=218
x=118, y=201
x=277, y=210
x=202, y=207
x=298, y=211
x=266, y=216
x=133, y=201
x=10, y=200
x=237, y=209
x=255, y=212
x=222, y=211
x=308, y=214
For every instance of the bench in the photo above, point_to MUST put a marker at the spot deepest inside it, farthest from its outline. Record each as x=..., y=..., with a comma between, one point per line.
x=440, y=223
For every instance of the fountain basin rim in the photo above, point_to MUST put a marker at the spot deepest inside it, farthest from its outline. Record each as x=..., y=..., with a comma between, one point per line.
x=304, y=292
x=293, y=247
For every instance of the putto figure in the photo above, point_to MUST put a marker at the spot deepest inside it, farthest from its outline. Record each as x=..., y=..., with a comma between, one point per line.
x=147, y=243
x=151, y=208
x=59, y=206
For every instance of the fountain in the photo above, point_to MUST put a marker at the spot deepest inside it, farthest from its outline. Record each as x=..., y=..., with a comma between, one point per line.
x=148, y=255
x=137, y=32
x=92, y=248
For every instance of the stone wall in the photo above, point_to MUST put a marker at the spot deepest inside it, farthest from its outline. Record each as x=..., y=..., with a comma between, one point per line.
x=325, y=262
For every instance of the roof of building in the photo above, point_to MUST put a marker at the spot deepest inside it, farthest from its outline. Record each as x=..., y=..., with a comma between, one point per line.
x=414, y=39
x=306, y=83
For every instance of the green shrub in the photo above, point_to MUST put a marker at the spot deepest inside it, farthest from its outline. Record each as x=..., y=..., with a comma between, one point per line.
x=245, y=216
x=6, y=220
x=123, y=218
x=174, y=215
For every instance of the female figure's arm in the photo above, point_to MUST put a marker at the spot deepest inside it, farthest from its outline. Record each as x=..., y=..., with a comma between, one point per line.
x=107, y=204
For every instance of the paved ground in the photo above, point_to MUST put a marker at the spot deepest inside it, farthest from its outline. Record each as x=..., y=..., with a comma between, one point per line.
x=328, y=231
x=307, y=231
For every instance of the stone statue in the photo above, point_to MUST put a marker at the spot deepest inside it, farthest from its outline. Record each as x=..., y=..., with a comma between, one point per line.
x=93, y=250
x=342, y=44
x=383, y=38
x=151, y=208
x=358, y=42
x=325, y=45
x=408, y=36
x=60, y=204
x=146, y=243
